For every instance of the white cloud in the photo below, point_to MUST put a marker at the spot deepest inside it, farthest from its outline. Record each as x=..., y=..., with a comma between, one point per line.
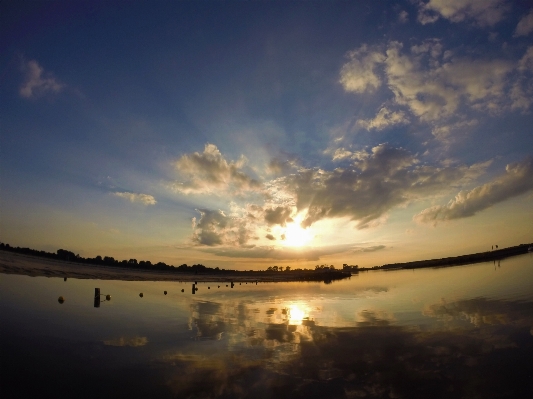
x=403, y=17
x=216, y=228
x=525, y=25
x=341, y=153
x=359, y=73
x=144, y=199
x=210, y=172
x=517, y=180
x=440, y=88
x=384, y=119
x=436, y=92
x=481, y=12
x=37, y=83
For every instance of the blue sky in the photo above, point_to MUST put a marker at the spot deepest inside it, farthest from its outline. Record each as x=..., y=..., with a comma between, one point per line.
x=245, y=134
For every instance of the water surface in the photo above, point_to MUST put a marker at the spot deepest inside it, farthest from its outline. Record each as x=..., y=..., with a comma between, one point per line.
x=455, y=332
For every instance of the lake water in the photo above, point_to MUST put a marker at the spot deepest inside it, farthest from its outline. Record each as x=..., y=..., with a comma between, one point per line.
x=458, y=332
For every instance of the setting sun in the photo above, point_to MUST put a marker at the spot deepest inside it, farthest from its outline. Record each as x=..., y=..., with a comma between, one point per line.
x=295, y=235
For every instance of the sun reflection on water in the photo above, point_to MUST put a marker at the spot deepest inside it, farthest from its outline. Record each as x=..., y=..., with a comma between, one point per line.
x=296, y=313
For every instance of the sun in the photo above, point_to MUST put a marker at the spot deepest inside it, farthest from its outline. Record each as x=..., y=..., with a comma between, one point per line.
x=295, y=235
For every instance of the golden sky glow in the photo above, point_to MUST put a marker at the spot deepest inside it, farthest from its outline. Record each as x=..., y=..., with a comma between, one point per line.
x=295, y=139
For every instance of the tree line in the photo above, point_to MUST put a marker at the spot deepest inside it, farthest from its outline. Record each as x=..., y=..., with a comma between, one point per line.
x=65, y=255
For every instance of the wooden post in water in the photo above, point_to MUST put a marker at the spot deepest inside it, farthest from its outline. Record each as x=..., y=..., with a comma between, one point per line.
x=97, y=297
x=232, y=284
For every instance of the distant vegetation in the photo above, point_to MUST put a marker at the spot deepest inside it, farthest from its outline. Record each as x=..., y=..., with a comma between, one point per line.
x=321, y=272
x=496, y=254
x=69, y=256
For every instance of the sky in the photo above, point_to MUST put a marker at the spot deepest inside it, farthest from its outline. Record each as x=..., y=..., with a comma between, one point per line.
x=247, y=134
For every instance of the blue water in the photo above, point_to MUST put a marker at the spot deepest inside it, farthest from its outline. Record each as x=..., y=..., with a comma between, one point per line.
x=462, y=331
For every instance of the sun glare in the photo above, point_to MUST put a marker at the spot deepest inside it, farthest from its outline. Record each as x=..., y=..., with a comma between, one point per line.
x=296, y=236
x=296, y=314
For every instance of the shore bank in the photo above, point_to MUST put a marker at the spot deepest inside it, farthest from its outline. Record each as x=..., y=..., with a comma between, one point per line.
x=488, y=256
x=15, y=263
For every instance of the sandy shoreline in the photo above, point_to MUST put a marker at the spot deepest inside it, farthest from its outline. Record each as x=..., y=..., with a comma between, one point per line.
x=14, y=263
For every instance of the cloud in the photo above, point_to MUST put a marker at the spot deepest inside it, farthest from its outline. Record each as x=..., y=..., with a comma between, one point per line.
x=482, y=12
x=437, y=86
x=125, y=341
x=517, y=180
x=374, y=182
x=281, y=167
x=436, y=91
x=403, y=17
x=342, y=153
x=384, y=119
x=37, y=83
x=280, y=215
x=216, y=228
x=373, y=248
x=359, y=73
x=210, y=172
x=522, y=89
x=373, y=185
x=144, y=199
x=279, y=253
x=525, y=25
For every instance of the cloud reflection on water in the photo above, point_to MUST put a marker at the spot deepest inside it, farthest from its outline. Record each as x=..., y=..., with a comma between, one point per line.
x=481, y=348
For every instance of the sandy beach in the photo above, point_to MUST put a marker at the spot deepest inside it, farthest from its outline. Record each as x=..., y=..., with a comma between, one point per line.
x=14, y=263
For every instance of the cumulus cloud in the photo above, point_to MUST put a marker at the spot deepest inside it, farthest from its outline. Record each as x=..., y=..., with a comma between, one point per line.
x=384, y=119
x=372, y=182
x=38, y=83
x=217, y=228
x=525, y=25
x=481, y=12
x=373, y=185
x=279, y=215
x=210, y=172
x=359, y=73
x=144, y=199
x=438, y=87
x=517, y=180
x=435, y=92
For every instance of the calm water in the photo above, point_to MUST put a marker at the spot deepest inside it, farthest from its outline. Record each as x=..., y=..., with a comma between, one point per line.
x=461, y=332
